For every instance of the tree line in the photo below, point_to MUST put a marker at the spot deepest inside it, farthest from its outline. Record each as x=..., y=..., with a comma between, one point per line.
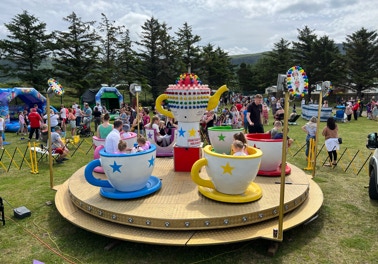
x=91, y=53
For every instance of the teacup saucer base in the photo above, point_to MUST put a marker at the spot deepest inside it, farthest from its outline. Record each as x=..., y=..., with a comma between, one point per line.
x=153, y=185
x=253, y=193
x=274, y=173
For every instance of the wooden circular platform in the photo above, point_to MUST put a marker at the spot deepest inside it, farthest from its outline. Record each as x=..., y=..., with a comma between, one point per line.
x=179, y=215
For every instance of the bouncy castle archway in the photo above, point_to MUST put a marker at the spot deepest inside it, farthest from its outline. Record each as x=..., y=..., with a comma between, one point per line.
x=14, y=100
x=110, y=97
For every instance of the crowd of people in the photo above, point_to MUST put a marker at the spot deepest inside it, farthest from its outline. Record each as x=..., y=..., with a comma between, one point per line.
x=250, y=113
x=253, y=114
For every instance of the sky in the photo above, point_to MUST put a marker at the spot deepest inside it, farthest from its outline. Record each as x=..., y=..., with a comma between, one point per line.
x=236, y=26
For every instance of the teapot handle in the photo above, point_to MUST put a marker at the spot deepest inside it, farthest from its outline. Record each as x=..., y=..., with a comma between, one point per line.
x=159, y=108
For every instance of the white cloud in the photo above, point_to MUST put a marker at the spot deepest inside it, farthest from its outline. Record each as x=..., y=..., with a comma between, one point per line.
x=237, y=26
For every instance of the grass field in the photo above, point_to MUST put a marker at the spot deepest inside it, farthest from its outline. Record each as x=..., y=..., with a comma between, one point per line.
x=345, y=231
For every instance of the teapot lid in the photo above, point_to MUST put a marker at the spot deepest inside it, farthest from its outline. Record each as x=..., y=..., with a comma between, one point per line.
x=188, y=79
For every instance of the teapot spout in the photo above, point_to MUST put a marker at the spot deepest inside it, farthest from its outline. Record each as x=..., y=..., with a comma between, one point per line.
x=214, y=100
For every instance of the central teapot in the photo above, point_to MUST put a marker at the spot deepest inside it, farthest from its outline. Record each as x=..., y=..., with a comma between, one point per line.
x=188, y=99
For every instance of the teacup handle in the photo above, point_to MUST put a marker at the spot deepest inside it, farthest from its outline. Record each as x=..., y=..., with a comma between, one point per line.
x=88, y=172
x=195, y=174
x=159, y=108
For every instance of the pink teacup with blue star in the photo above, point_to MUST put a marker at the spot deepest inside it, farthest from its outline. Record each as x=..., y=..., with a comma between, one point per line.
x=125, y=172
x=228, y=174
x=221, y=138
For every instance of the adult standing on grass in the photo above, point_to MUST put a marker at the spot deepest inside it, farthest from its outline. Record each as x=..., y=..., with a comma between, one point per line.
x=349, y=111
x=105, y=128
x=330, y=133
x=54, y=119
x=355, y=109
x=87, y=114
x=26, y=123
x=35, y=123
x=310, y=129
x=79, y=115
x=97, y=117
x=63, y=117
x=72, y=120
x=254, y=115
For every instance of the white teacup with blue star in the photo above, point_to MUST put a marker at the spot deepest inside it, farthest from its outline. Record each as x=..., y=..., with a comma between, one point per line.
x=125, y=172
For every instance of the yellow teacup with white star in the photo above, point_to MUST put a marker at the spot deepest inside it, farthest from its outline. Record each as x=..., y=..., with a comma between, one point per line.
x=125, y=172
x=221, y=138
x=228, y=174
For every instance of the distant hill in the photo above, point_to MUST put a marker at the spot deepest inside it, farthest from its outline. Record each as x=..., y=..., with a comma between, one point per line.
x=253, y=58
x=246, y=58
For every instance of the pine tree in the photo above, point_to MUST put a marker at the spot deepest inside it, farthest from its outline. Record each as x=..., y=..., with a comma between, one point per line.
x=361, y=59
x=76, y=57
x=327, y=61
x=27, y=46
x=128, y=64
x=188, y=47
x=150, y=53
x=109, y=50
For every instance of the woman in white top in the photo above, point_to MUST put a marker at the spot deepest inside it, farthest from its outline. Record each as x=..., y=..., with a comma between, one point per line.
x=54, y=119
x=163, y=140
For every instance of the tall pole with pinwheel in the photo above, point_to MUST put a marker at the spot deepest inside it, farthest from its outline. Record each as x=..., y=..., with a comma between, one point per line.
x=54, y=88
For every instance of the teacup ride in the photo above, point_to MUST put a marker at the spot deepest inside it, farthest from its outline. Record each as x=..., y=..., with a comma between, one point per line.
x=128, y=174
x=179, y=214
x=272, y=154
x=231, y=178
x=98, y=144
x=161, y=151
x=221, y=138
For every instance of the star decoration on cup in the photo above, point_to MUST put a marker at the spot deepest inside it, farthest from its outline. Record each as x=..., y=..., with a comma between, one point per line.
x=151, y=161
x=227, y=168
x=116, y=167
x=221, y=137
x=149, y=135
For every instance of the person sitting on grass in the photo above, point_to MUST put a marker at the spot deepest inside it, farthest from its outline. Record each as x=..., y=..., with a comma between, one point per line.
x=44, y=134
x=57, y=145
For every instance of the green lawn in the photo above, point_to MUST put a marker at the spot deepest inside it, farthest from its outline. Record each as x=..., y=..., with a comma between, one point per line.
x=345, y=231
